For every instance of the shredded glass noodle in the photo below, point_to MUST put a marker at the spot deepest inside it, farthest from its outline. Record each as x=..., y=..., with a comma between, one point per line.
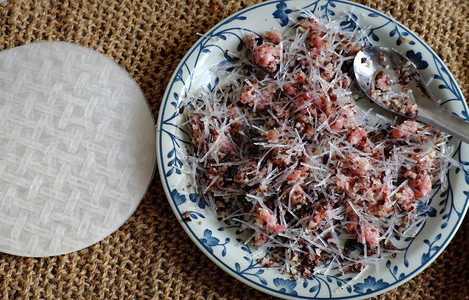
x=284, y=151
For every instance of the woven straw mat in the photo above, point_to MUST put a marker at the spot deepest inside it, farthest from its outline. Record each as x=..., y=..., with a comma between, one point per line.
x=151, y=257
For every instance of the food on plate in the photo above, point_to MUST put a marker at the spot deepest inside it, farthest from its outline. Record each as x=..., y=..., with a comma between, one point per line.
x=284, y=151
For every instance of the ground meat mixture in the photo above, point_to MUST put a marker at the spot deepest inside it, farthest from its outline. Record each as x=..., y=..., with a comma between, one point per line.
x=392, y=91
x=283, y=151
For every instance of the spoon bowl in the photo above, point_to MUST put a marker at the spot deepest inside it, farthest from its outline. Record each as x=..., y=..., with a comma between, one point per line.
x=393, y=82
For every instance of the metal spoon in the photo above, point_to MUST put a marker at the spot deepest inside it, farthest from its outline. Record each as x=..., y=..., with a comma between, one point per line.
x=404, y=75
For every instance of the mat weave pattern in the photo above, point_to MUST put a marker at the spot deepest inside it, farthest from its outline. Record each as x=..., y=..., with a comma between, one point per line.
x=151, y=257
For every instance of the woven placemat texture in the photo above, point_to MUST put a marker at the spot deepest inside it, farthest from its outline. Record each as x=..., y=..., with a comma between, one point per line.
x=151, y=257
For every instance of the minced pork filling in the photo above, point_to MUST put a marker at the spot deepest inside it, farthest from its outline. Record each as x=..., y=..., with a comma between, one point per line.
x=285, y=153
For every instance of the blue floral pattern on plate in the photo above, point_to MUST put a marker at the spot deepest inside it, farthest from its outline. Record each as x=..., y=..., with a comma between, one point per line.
x=222, y=241
x=370, y=284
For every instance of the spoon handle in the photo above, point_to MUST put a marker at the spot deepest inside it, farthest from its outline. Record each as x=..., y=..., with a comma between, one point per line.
x=431, y=112
x=443, y=119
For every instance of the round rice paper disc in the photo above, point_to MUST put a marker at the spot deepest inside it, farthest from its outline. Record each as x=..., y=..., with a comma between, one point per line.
x=77, y=148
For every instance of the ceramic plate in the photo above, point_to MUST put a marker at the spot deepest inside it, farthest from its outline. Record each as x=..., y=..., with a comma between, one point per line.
x=220, y=241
